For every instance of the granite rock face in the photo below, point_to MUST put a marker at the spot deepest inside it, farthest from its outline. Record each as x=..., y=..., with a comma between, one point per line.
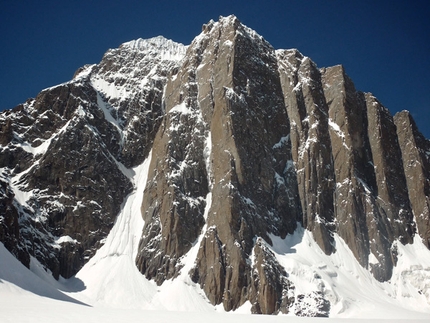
x=310, y=143
x=348, y=163
x=332, y=162
x=416, y=163
x=248, y=144
x=366, y=212
x=214, y=140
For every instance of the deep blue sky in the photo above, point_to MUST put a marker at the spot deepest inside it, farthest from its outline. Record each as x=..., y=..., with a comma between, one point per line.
x=384, y=45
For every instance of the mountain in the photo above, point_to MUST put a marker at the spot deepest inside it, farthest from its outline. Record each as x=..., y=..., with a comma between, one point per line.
x=233, y=151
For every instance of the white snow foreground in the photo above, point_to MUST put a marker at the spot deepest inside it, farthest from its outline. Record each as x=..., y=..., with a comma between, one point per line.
x=109, y=288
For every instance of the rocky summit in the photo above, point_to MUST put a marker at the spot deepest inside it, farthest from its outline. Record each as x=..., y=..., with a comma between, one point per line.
x=247, y=143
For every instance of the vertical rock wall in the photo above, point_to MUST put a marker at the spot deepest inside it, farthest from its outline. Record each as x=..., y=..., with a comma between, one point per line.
x=230, y=85
x=416, y=163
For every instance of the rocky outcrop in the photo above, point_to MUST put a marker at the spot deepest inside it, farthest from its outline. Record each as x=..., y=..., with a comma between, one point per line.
x=10, y=234
x=312, y=305
x=271, y=291
x=130, y=82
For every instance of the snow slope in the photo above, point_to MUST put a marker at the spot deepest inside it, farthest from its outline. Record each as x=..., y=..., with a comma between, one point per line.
x=17, y=281
x=351, y=289
x=25, y=297
x=110, y=277
x=110, y=288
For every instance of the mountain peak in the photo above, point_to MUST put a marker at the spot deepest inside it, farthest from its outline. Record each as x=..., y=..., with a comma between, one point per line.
x=229, y=20
x=166, y=48
x=234, y=155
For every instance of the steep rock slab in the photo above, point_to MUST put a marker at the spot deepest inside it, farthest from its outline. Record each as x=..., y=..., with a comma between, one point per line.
x=230, y=77
x=353, y=171
x=249, y=162
x=394, y=217
x=310, y=141
x=347, y=158
x=174, y=198
x=371, y=204
x=416, y=162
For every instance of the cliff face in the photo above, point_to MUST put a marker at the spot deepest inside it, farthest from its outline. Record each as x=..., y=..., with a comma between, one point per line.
x=416, y=164
x=276, y=141
x=216, y=169
x=247, y=144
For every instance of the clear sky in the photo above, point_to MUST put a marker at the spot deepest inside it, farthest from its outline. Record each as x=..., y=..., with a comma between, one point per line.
x=384, y=45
